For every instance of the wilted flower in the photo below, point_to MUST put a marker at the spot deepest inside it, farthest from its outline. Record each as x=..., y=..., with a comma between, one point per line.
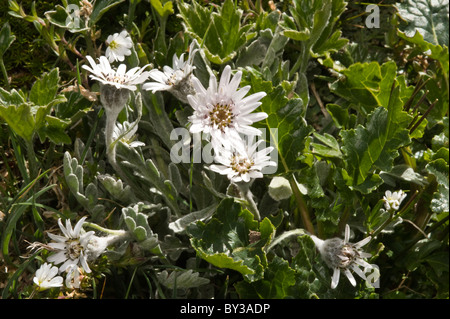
x=222, y=111
x=175, y=79
x=70, y=248
x=120, y=78
x=119, y=45
x=241, y=161
x=393, y=200
x=46, y=278
x=343, y=256
x=74, y=275
x=128, y=135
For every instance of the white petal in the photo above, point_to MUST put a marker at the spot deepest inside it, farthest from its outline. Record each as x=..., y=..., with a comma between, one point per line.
x=350, y=277
x=347, y=234
x=154, y=86
x=255, y=117
x=335, y=278
x=57, y=258
x=363, y=242
x=78, y=226
x=363, y=263
x=224, y=78
x=58, y=238
x=65, y=231
x=241, y=93
x=56, y=282
x=234, y=83
x=84, y=264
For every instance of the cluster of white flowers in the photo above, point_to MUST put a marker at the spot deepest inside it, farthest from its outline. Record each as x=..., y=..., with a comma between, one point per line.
x=222, y=111
x=72, y=251
x=392, y=200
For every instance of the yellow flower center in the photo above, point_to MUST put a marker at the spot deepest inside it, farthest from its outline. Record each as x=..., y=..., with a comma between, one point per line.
x=221, y=115
x=241, y=164
x=113, y=77
x=74, y=249
x=113, y=45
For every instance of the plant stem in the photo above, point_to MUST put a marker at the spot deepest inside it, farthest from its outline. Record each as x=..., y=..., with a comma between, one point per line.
x=5, y=74
x=131, y=10
x=393, y=216
x=304, y=214
x=302, y=61
x=32, y=161
x=283, y=236
x=343, y=220
x=111, y=145
x=248, y=197
x=119, y=232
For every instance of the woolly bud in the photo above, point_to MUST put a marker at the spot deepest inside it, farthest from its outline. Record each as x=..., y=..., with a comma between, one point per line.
x=279, y=188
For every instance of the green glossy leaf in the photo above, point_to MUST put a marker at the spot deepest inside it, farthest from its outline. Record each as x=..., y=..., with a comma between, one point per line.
x=439, y=168
x=278, y=277
x=376, y=144
x=219, y=33
x=367, y=85
x=308, y=281
x=405, y=173
x=12, y=97
x=180, y=224
x=285, y=123
x=163, y=10
x=183, y=279
x=6, y=38
x=45, y=88
x=66, y=18
x=420, y=251
x=429, y=18
x=20, y=119
x=100, y=8
x=434, y=51
x=313, y=22
x=297, y=35
x=54, y=128
x=224, y=240
x=331, y=147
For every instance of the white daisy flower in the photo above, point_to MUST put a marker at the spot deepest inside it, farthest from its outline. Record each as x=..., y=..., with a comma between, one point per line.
x=119, y=45
x=45, y=277
x=120, y=78
x=343, y=256
x=128, y=137
x=175, y=79
x=70, y=248
x=242, y=162
x=393, y=200
x=222, y=111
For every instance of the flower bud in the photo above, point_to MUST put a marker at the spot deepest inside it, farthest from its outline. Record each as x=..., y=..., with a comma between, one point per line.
x=113, y=99
x=279, y=188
